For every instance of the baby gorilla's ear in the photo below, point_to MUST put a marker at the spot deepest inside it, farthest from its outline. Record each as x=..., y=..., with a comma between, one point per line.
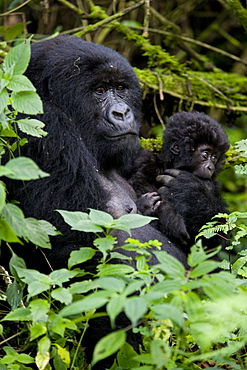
x=174, y=148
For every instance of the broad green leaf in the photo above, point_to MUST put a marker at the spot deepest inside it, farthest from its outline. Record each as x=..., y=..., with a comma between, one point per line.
x=170, y=265
x=165, y=311
x=24, y=168
x=36, y=234
x=62, y=295
x=83, y=286
x=48, y=228
x=58, y=277
x=2, y=195
x=114, y=307
x=80, y=256
x=135, y=309
x=37, y=329
x=92, y=301
x=125, y=357
x=37, y=287
x=134, y=220
x=15, y=263
x=193, y=306
x=13, y=32
x=105, y=244
x=18, y=56
x=32, y=127
x=100, y=218
x=44, y=345
x=87, y=226
x=111, y=283
x=4, y=97
x=20, y=83
x=29, y=276
x=115, y=270
x=72, y=218
x=15, y=217
x=204, y=268
x=108, y=345
x=14, y=294
x=6, y=233
x=63, y=354
x=39, y=309
x=20, y=314
x=42, y=360
x=27, y=102
x=167, y=286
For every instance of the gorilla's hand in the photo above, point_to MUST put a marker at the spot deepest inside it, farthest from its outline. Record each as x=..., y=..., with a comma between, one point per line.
x=148, y=203
x=168, y=176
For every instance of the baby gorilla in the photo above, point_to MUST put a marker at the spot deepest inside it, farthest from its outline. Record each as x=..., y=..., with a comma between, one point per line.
x=192, y=155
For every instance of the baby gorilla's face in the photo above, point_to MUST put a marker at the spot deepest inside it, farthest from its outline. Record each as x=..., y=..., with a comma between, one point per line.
x=205, y=158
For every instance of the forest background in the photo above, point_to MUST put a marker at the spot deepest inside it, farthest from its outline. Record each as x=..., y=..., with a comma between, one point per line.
x=188, y=55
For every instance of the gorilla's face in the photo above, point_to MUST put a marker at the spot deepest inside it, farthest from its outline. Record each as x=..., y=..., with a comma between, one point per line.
x=99, y=92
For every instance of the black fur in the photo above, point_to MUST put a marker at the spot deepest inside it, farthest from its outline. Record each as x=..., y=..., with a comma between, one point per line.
x=188, y=201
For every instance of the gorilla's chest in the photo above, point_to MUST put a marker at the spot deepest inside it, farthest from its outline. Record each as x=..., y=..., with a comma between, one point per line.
x=120, y=195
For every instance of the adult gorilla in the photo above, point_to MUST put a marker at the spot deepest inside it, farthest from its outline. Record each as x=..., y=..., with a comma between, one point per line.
x=92, y=102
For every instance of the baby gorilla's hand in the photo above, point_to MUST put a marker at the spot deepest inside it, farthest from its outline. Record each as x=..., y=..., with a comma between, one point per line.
x=148, y=203
x=168, y=176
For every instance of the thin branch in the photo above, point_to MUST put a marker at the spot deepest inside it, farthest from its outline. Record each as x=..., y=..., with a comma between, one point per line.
x=13, y=10
x=72, y=7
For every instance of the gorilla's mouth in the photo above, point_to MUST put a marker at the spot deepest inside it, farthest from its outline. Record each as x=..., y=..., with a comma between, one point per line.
x=121, y=135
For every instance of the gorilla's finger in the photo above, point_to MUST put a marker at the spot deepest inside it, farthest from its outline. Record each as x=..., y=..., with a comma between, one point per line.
x=173, y=172
x=164, y=179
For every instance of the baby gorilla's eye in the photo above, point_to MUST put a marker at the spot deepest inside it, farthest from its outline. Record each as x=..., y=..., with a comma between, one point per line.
x=205, y=154
x=214, y=158
x=120, y=87
x=100, y=90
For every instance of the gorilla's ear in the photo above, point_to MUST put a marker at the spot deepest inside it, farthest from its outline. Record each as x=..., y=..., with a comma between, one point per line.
x=174, y=148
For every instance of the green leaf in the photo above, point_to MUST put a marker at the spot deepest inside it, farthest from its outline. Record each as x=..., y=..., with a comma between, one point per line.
x=2, y=195
x=20, y=314
x=131, y=221
x=14, y=294
x=37, y=287
x=24, y=168
x=15, y=217
x=115, y=270
x=114, y=307
x=58, y=277
x=37, y=329
x=105, y=244
x=135, y=308
x=125, y=357
x=4, y=97
x=111, y=283
x=32, y=127
x=87, y=226
x=204, y=268
x=100, y=218
x=18, y=57
x=168, y=311
x=80, y=256
x=36, y=234
x=20, y=83
x=39, y=309
x=72, y=218
x=108, y=345
x=6, y=233
x=62, y=295
x=27, y=102
x=44, y=345
x=170, y=265
x=92, y=301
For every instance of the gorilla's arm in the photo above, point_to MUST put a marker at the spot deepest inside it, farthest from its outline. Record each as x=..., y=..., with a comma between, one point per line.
x=193, y=200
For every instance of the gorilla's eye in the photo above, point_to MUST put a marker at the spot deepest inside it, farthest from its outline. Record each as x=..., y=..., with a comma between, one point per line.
x=205, y=155
x=214, y=158
x=120, y=87
x=100, y=90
